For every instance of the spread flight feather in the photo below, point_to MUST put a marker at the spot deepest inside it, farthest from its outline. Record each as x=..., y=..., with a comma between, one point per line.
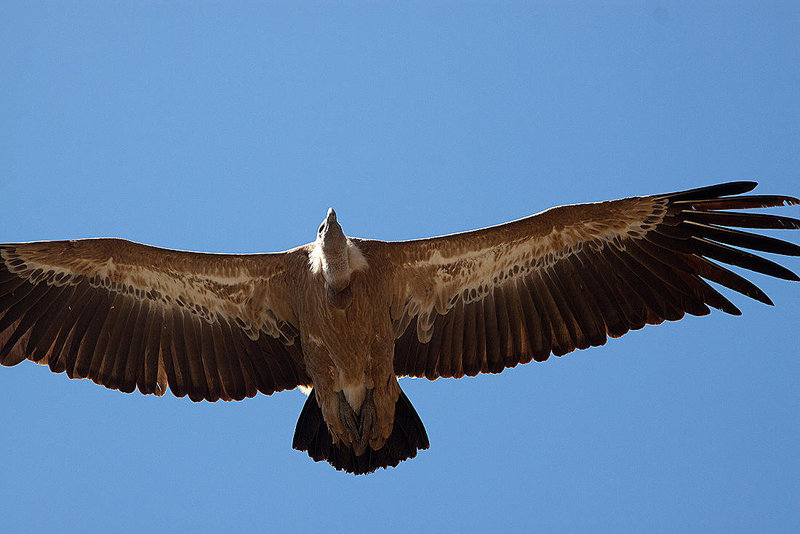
x=347, y=316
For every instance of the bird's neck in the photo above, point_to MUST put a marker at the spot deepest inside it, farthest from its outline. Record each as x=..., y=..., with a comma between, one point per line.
x=336, y=266
x=336, y=263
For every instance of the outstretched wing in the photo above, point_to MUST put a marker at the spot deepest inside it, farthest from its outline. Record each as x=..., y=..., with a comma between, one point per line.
x=569, y=277
x=126, y=315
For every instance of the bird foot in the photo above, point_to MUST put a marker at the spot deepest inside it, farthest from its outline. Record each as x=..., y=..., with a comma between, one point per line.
x=367, y=417
x=348, y=418
x=358, y=427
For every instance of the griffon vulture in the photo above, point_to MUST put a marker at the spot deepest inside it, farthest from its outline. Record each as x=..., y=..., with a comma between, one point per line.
x=346, y=316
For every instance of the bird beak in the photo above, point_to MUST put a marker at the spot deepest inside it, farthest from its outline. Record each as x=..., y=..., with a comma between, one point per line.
x=331, y=218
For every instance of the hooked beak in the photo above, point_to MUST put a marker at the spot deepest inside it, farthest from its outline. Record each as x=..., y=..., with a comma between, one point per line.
x=330, y=231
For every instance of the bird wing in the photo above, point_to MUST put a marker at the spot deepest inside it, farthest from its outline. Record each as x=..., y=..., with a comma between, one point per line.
x=570, y=276
x=126, y=315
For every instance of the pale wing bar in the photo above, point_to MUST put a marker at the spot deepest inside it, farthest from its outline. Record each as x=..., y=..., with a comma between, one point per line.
x=94, y=312
x=600, y=287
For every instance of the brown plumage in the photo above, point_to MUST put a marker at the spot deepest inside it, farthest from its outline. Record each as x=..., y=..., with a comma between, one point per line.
x=347, y=316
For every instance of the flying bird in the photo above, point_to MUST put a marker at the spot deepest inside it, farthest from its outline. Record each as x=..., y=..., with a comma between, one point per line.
x=345, y=317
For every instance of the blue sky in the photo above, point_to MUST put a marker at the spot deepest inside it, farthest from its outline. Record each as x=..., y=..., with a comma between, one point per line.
x=233, y=127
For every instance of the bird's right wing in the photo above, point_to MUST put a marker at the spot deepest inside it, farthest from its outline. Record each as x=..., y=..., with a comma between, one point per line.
x=568, y=277
x=213, y=326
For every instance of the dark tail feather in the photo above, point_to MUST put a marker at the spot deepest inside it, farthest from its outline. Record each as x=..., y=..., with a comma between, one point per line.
x=408, y=436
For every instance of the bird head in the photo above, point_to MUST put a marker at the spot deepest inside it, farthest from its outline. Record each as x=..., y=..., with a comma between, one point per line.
x=330, y=234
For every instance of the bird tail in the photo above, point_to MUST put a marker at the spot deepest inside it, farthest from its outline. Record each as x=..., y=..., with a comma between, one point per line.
x=408, y=436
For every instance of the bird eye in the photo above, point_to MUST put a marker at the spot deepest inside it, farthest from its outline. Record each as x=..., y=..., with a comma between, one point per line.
x=321, y=228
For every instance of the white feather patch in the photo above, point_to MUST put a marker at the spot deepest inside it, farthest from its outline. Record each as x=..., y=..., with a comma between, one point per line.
x=356, y=258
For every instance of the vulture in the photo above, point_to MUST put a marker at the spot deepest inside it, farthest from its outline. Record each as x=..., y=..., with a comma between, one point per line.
x=344, y=317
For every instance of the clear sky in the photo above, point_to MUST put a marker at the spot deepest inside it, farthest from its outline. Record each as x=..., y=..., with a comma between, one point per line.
x=232, y=127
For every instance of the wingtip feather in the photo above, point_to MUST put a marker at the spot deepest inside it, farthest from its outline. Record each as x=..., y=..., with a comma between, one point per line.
x=713, y=191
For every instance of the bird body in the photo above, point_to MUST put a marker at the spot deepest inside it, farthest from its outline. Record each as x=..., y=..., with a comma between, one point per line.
x=350, y=351
x=345, y=317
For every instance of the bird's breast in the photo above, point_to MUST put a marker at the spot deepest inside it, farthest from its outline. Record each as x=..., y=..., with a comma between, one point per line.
x=350, y=338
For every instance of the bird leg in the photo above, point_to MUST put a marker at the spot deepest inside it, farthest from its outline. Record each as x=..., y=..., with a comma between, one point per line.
x=348, y=418
x=367, y=417
x=359, y=427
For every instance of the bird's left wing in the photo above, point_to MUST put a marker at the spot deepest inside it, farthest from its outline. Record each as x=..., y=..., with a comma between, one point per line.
x=213, y=326
x=569, y=277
